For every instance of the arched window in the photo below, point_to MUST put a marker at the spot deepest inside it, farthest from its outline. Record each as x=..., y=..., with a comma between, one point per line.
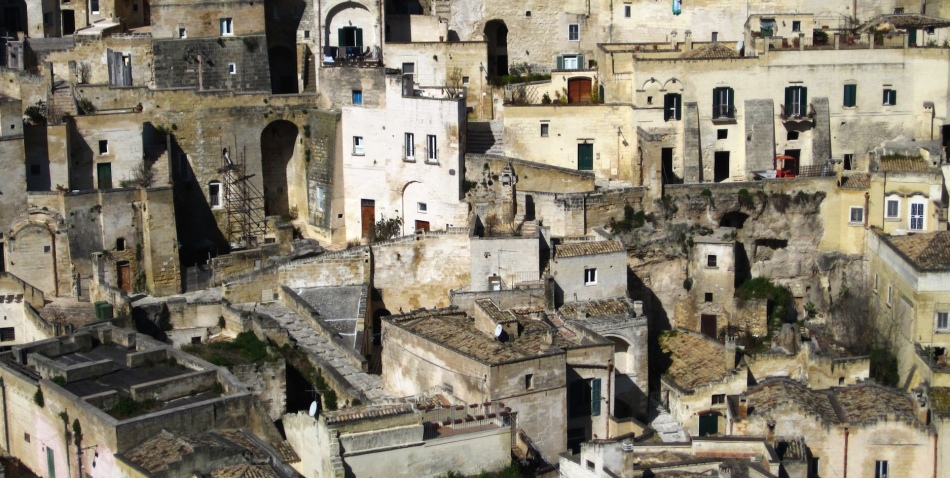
x=214, y=194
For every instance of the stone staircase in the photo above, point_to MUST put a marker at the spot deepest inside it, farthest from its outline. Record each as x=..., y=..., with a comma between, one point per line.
x=310, y=80
x=486, y=137
x=61, y=102
x=669, y=430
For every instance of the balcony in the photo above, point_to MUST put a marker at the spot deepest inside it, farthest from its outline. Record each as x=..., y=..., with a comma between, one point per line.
x=352, y=56
x=724, y=114
x=798, y=114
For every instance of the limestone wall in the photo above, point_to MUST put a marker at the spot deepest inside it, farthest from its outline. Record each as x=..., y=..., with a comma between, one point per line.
x=267, y=381
x=177, y=63
x=421, y=270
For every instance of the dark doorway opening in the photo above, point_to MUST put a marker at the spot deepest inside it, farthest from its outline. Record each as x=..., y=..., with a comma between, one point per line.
x=278, y=143
x=69, y=22
x=797, y=154
x=666, y=160
x=585, y=157
x=707, y=325
x=496, y=32
x=708, y=425
x=283, y=70
x=721, y=166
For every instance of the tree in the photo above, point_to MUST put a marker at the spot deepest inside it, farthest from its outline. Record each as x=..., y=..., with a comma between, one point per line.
x=387, y=228
x=453, y=83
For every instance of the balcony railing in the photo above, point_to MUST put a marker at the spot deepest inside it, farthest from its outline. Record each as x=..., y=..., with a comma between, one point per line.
x=723, y=113
x=798, y=113
x=351, y=56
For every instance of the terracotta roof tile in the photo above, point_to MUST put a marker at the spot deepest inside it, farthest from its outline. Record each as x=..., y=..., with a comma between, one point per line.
x=904, y=164
x=856, y=181
x=588, y=248
x=712, y=50
x=867, y=402
x=696, y=359
x=905, y=21
x=166, y=449
x=245, y=471
x=765, y=399
x=928, y=252
x=940, y=401
x=597, y=308
x=370, y=411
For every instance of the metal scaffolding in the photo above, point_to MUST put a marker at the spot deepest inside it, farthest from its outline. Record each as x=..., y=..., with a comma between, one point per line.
x=244, y=204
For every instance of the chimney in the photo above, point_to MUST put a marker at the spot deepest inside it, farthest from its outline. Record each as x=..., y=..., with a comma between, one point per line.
x=689, y=40
x=729, y=354
x=743, y=407
x=626, y=449
x=638, y=307
x=549, y=294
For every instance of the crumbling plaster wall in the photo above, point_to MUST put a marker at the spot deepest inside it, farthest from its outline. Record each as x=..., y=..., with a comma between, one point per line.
x=421, y=270
x=268, y=382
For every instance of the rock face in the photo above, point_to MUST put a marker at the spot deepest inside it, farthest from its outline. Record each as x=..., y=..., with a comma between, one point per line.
x=787, y=339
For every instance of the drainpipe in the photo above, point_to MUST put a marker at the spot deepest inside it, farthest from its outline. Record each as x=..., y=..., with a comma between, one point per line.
x=935, y=454
x=867, y=205
x=845, y=453
x=6, y=426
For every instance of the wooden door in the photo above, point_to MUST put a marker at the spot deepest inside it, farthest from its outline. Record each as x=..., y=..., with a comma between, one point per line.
x=578, y=90
x=585, y=157
x=125, y=276
x=104, y=174
x=424, y=225
x=707, y=325
x=368, y=218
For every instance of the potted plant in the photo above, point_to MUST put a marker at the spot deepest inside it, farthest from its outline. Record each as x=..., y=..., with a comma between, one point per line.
x=138, y=108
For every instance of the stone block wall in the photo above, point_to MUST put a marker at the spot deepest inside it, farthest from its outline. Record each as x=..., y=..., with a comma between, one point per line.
x=421, y=270
x=268, y=381
x=177, y=63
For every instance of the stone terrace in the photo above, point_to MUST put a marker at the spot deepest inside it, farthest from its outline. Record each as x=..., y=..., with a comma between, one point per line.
x=320, y=349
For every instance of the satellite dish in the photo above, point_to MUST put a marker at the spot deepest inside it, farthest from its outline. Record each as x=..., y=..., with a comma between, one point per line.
x=498, y=331
x=313, y=409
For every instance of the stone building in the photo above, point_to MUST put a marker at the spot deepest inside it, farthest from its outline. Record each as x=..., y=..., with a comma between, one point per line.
x=588, y=269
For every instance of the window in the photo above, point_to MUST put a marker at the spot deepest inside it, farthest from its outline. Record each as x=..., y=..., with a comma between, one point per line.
x=590, y=276
x=898, y=11
x=857, y=215
x=527, y=13
x=580, y=398
x=880, y=466
x=320, y=198
x=916, y=216
x=573, y=32
x=722, y=133
x=103, y=146
x=877, y=280
x=227, y=27
x=792, y=136
x=569, y=62
x=850, y=96
x=135, y=7
x=408, y=68
x=890, y=294
x=358, y=145
x=723, y=106
x=214, y=194
x=708, y=297
x=7, y=334
x=796, y=101
x=544, y=130
x=529, y=381
x=943, y=320
x=718, y=399
x=627, y=11
x=590, y=464
x=422, y=207
x=410, y=146
x=120, y=244
x=46, y=249
x=672, y=106
x=432, y=148
x=892, y=209
x=26, y=437
x=796, y=26
x=848, y=161
x=182, y=33
x=711, y=260
x=465, y=80
x=890, y=97
x=357, y=97
x=94, y=6
x=232, y=68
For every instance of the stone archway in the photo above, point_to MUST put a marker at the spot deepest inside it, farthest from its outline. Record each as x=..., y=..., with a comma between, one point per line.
x=496, y=34
x=31, y=252
x=281, y=168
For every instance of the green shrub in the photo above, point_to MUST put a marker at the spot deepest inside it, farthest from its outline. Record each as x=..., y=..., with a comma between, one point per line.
x=38, y=397
x=59, y=380
x=884, y=367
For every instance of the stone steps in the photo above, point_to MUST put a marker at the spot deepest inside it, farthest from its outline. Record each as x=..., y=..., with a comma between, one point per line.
x=486, y=137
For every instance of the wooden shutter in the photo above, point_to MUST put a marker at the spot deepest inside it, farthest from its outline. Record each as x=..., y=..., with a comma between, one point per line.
x=732, y=102
x=341, y=38
x=580, y=63
x=789, y=97
x=678, y=103
x=715, y=103
x=595, y=397
x=668, y=105
x=559, y=63
x=893, y=97
x=804, y=101
x=358, y=37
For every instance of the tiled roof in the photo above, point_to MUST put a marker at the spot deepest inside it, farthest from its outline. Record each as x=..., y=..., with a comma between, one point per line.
x=696, y=359
x=856, y=181
x=869, y=402
x=367, y=412
x=588, y=248
x=928, y=252
x=940, y=401
x=713, y=50
x=287, y=452
x=905, y=21
x=766, y=398
x=166, y=449
x=245, y=471
x=597, y=308
x=904, y=164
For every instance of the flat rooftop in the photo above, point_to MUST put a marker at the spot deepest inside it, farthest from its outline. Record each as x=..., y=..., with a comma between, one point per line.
x=341, y=309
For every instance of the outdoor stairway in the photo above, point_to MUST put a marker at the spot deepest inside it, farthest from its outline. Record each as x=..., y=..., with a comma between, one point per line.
x=486, y=137
x=61, y=102
x=669, y=430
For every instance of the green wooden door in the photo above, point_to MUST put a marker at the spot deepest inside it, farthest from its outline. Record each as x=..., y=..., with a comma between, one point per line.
x=585, y=157
x=708, y=425
x=104, y=174
x=50, y=462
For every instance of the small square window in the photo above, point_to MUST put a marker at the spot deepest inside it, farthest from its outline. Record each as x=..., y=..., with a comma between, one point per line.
x=722, y=133
x=898, y=10
x=358, y=145
x=465, y=80
x=103, y=146
x=943, y=320
x=422, y=207
x=649, y=100
x=26, y=437
x=590, y=464
x=357, y=97
x=796, y=26
x=711, y=260
x=627, y=11
x=35, y=169
x=232, y=68
x=182, y=33
x=590, y=276
x=890, y=97
x=545, y=128
x=893, y=209
x=573, y=32
x=527, y=13
x=306, y=33
x=46, y=249
x=120, y=244
x=856, y=216
x=195, y=340
x=135, y=7
x=792, y=135
x=718, y=399
x=7, y=334
x=529, y=381
x=708, y=297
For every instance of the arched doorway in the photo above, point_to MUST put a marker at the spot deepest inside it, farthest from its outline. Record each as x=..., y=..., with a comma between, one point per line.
x=280, y=162
x=496, y=34
x=283, y=70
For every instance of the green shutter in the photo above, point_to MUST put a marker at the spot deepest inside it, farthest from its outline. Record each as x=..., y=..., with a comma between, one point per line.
x=341, y=38
x=580, y=63
x=601, y=92
x=678, y=101
x=359, y=37
x=732, y=102
x=850, y=95
x=789, y=97
x=893, y=97
x=560, y=63
x=595, y=397
x=715, y=103
x=804, y=110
